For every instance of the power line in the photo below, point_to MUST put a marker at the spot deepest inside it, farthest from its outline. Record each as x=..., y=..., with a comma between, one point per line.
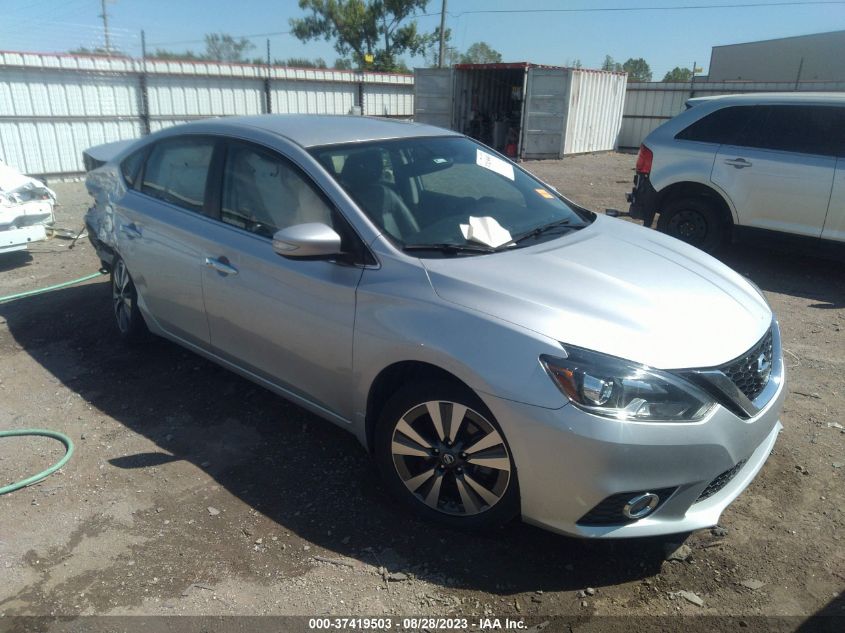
x=690, y=7
x=202, y=41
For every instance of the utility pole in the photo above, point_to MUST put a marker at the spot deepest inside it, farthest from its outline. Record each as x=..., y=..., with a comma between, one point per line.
x=145, y=97
x=268, y=95
x=442, y=35
x=798, y=76
x=105, y=16
x=692, y=82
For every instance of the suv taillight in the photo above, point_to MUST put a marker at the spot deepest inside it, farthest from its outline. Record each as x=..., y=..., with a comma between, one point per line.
x=644, y=159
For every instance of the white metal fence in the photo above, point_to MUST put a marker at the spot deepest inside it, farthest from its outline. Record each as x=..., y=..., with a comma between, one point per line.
x=648, y=105
x=52, y=107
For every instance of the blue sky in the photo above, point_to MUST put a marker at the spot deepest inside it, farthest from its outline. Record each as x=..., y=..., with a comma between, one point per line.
x=664, y=38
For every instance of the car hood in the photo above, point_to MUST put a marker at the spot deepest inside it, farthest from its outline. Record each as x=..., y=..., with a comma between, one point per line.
x=616, y=288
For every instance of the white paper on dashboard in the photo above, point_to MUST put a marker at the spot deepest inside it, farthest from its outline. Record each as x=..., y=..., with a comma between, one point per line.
x=493, y=163
x=485, y=230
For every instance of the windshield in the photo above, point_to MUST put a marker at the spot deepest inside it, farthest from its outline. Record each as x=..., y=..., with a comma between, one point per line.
x=451, y=191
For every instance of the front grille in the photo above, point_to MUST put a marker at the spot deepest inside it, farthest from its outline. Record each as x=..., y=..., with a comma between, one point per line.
x=609, y=511
x=750, y=373
x=720, y=482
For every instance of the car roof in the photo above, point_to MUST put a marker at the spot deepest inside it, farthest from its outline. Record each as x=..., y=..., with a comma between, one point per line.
x=312, y=130
x=762, y=98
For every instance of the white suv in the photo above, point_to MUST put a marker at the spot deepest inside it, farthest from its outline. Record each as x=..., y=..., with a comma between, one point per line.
x=768, y=162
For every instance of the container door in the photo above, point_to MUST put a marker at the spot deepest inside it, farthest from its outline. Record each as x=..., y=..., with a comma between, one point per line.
x=544, y=117
x=433, y=96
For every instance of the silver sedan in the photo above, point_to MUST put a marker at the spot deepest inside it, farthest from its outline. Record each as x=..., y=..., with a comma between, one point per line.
x=498, y=349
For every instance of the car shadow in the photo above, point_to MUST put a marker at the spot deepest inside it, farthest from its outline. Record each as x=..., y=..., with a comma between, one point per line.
x=776, y=268
x=296, y=469
x=15, y=259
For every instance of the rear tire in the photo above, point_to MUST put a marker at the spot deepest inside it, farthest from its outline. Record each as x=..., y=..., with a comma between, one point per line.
x=128, y=319
x=443, y=455
x=696, y=221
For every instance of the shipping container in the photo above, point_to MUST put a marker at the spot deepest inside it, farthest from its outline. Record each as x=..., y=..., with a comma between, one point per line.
x=524, y=110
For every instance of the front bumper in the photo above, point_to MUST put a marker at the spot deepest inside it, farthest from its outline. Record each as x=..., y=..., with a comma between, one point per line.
x=568, y=461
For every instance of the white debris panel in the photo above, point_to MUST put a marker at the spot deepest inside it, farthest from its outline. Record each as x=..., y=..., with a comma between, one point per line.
x=24, y=201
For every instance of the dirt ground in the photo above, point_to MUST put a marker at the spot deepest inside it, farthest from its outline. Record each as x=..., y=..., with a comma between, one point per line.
x=192, y=491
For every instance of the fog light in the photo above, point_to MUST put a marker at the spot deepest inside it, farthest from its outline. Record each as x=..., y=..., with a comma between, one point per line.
x=641, y=506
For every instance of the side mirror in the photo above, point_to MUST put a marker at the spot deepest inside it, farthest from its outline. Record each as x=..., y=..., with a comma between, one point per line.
x=312, y=240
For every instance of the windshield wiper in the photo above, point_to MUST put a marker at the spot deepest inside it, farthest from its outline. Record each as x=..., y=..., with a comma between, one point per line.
x=538, y=231
x=450, y=247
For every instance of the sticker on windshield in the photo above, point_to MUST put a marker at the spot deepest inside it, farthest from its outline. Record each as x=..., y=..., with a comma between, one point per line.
x=544, y=194
x=488, y=161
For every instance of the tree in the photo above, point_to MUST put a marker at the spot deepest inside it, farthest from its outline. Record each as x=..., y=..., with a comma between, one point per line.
x=481, y=53
x=302, y=62
x=342, y=63
x=222, y=47
x=637, y=69
x=161, y=53
x=381, y=30
x=611, y=64
x=678, y=75
x=97, y=50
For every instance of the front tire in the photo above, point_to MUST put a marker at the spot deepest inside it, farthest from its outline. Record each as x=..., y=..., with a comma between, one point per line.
x=128, y=319
x=695, y=221
x=441, y=453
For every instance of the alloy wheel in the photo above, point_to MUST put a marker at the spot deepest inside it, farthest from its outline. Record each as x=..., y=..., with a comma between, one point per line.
x=451, y=458
x=122, y=296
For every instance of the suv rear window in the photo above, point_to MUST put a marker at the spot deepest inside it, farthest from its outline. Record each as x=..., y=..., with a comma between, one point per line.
x=804, y=129
x=722, y=126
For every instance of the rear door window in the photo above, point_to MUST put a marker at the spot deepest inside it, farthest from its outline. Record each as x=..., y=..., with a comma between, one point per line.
x=177, y=171
x=803, y=129
x=131, y=165
x=264, y=192
x=724, y=126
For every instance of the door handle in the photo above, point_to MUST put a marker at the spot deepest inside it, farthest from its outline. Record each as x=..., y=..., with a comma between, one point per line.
x=739, y=163
x=130, y=230
x=224, y=268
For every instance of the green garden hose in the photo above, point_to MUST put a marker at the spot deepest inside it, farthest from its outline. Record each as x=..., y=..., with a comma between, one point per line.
x=38, y=291
x=64, y=439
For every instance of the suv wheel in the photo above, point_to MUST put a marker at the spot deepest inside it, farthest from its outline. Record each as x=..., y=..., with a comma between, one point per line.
x=128, y=318
x=440, y=452
x=695, y=221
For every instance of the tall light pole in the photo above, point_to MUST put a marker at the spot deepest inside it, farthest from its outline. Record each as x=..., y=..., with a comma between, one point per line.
x=105, y=16
x=442, y=35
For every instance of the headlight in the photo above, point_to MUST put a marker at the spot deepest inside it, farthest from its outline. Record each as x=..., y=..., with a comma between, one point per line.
x=619, y=389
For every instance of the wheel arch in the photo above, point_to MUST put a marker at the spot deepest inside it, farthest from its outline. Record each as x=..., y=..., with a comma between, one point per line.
x=394, y=375
x=692, y=189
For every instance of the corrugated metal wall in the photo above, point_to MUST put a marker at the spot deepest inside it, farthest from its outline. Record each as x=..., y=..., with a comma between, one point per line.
x=596, y=101
x=52, y=107
x=648, y=105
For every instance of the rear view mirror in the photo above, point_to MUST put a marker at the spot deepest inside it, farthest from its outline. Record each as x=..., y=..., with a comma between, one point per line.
x=312, y=240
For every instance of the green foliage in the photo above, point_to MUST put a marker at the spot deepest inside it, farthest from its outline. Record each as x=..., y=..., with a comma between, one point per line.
x=97, y=50
x=161, y=53
x=678, y=75
x=222, y=47
x=219, y=47
x=302, y=62
x=342, y=63
x=383, y=29
x=481, y=53
x=611, y=64
x=637, y=69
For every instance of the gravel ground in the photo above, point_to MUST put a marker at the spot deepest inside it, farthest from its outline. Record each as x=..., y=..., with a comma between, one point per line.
x=194, y=492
